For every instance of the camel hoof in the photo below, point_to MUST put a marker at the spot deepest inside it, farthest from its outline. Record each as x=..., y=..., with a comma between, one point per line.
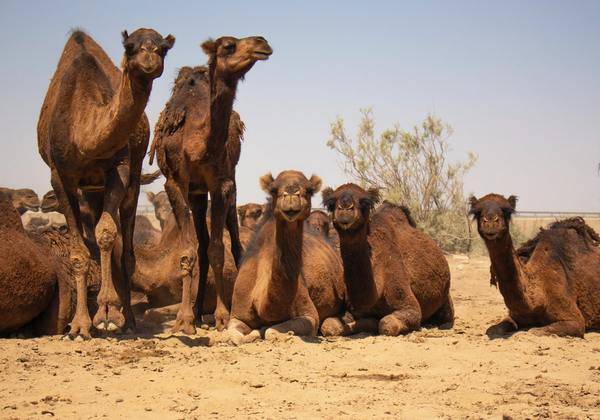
x=392, y=326
x=221, y=320
x=111, y=327
x=185, y=326
x=78, y=338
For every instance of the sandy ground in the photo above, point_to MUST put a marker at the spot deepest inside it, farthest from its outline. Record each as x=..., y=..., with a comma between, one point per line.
x=458, y=373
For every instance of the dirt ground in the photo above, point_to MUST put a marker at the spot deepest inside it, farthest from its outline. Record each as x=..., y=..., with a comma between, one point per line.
x=457, y=373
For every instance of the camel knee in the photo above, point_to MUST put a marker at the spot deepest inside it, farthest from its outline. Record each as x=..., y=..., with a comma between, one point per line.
x=106, y=232
x=186, y=263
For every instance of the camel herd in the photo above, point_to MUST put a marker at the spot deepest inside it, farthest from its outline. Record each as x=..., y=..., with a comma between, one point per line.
x=261, y=270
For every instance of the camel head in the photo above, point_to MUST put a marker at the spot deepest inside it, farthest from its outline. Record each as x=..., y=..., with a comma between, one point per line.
x=291, y=194
x=233, y=57
x=249, y=214
x=162, y=206
x=145, y=52
x=50, y=202
x=319, y=221
x=493, y=213
x=350, y=206
x=25, y=199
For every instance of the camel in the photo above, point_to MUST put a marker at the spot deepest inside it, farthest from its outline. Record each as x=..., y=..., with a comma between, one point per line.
x=36, y=276
x=197, y=152
x=93, y=131
x=162, y=207
x=290, y=280
x=551, y=285
x=249, y=215
x=23, y=199
x=320, y=222
x=397, y=278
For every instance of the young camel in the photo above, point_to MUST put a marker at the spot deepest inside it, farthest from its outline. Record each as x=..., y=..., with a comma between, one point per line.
x=249, y=215
x=397, y=278
x=290, y=279
x=194, y=151
x=93, y=132
x=550, y=285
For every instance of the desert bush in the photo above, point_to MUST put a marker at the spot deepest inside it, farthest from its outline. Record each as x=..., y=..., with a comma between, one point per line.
x=411, y=168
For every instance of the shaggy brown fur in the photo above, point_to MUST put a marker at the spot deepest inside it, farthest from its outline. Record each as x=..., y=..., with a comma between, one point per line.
x=249, y=214
x=551, y=284
x=320, y=222
x=197, y=143
x=397, y=278
x=290, y=280
x=93, y=132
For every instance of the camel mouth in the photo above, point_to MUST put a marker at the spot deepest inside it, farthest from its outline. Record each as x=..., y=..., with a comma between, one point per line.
x=291, y=215
x=29, y=207
x=491, y=236
x=344, y=225
x=262, y=55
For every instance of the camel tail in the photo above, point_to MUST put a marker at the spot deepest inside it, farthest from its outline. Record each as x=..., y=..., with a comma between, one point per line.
x=146, y=179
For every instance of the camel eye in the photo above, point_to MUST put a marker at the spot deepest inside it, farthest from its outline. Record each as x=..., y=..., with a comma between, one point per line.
x=229, y=47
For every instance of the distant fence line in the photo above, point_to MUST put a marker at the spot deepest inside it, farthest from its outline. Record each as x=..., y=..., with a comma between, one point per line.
x=147, y=208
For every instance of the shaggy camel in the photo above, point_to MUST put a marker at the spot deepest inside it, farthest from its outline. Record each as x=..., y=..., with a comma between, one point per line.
x=290, y=279
x=35, y=278
x=93, y=131
x=197, y=152
x=249, y=214
x=552, y=283
x=397, y=278
x=23, y=199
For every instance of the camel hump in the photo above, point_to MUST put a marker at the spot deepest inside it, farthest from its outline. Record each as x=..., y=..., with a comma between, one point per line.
x=558, y=237
x=399, y=214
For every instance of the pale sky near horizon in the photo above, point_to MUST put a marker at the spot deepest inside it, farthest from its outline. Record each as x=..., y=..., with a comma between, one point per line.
x=519, y=81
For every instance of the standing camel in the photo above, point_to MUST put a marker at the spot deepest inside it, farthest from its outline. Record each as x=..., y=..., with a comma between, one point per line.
x=291, y=279
x=552, y=283
x=396, y=277
x=198, y=155
x=93, y=132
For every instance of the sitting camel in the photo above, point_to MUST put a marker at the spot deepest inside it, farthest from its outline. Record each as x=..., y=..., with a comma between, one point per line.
x=396, y=277
x=552, y=283
x=36, y=276
x=290, y=280
x=249, y=215
x=23, y=199
x=319, y=222
x=162, y=207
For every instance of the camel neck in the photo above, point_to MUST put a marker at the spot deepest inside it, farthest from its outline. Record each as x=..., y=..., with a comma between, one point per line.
x=222, y=96
x=509, y=274
x=358, y=269
x=286, y=263
x=123, y=115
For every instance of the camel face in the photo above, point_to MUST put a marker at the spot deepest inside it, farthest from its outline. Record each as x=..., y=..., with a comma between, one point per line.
x=49, y=202
x=249, y=215
x=234, y=56
x=319, y=221
x=350, y=205
x=162, y=206
x=291, y=193
x=493, y=213
x=25, y=199
x=145, y=50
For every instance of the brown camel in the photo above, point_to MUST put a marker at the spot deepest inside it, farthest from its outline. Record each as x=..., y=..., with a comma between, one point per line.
x=290, y=279
x=249, y=215
x=93, y=131
x=162, y=207
x=550, y=285
x=35, y=276
x=397, y=278
x=320, y=222
x=23, y=199
x=198, y=151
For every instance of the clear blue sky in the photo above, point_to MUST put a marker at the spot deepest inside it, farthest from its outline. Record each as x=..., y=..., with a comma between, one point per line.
x=518, y=80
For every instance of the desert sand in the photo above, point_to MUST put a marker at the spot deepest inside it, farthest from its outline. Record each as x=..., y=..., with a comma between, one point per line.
x=457, y=373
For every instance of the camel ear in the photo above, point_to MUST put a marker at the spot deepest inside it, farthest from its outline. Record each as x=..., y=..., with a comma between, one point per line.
x=315, y=184
x=473, y=206
x=512, y=200
x=169, y=42
x=209, y=46
x=242, y=210
x=374, y=195
x=125, y=35
x=129, y=46
x=266, y=183
x=328, y=200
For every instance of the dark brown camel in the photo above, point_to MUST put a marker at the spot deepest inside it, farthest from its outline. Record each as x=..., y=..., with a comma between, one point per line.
x=198, y=152
x=36, y=276
x=397, y=278
x=550, y=285
x=290, y=279
x=23, y=199
x=93, y=131
x=249, y=215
